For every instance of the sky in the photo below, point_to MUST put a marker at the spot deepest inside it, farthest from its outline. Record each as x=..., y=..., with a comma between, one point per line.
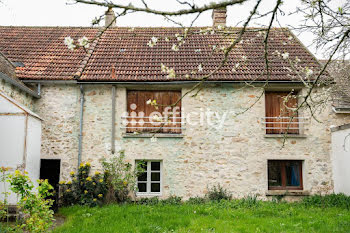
x=64, y=13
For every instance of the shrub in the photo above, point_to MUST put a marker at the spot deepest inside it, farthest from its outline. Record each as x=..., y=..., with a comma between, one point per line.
x=36, y=213
x=332, y=200
x=120, y=177
x=83, y=189
x=217, y=193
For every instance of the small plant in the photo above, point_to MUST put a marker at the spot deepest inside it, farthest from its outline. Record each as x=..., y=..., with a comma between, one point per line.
x=172, y=200
x=217, y=193
x=250, y=201
x=196, y=200
x=148, y=201
x=332, y=200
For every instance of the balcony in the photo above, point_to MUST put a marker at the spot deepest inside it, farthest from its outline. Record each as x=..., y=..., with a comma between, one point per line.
x=285, y=125
x=144, y=125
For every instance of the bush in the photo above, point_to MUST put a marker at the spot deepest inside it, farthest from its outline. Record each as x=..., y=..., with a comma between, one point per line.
x=35, y=208
x=332, y=200
x=115, y=184
x=83, y=189
x=120, y=177
x=217, y=193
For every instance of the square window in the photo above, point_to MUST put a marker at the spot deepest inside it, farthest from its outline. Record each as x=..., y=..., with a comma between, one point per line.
x=149, y=181
x=285, y=174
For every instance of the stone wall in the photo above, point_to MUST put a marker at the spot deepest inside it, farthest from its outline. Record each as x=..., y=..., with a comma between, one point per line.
x=234, y=156
x=16, y=94
x=59, y=109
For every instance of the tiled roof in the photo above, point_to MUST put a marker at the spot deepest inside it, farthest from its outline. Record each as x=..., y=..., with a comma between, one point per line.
x=340, y=71
x=42, y=50
x=45, y=56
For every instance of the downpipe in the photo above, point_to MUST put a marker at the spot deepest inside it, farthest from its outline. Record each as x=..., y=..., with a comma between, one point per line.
x=81, y=124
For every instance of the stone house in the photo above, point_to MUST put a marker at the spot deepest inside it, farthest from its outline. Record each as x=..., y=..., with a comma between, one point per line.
x=237, y=131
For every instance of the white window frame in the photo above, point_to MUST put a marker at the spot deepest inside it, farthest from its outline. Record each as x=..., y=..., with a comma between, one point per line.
x=148, y=182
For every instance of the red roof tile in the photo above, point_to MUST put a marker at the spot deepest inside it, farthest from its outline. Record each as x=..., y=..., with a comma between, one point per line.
x=45, y=56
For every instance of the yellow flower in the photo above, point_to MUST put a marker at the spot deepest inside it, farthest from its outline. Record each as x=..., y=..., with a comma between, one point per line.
x=74, y=179
x=68, y=190
x=62, y=182
x=100, y=195
x=17, y=172
x=94, y=183
x=88, y=178
x=25, y=172
x=83, y=172
x=87, y=164
x=125, y=183
x=94, y=199
x=81, y=165
x=69, y=182
x=97, y=173
x=101, y=180
x=72, y=173
x=85, y=191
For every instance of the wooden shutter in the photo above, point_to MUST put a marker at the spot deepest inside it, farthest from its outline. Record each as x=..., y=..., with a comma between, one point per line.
x=276, y=107
x=164, y=99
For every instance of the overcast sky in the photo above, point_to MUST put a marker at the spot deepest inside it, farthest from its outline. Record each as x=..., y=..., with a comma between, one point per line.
x=61, y=13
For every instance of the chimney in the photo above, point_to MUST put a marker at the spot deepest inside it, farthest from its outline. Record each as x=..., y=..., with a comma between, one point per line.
x=109, y=17
x=219, y=17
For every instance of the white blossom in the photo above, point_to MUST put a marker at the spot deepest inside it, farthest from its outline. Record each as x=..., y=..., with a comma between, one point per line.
x=197, y=50
x=166, y=39
x=175, y=47
x=200, y=68
x=152, y=42
x=285, y=55
x=153, y=139
x=244, y=58
x=84, y=42
x=70, y=43
x=220, y=27
x=309, y=72
x=156, y=118
x=149, y=101
x=290, y=38
x=171, y=73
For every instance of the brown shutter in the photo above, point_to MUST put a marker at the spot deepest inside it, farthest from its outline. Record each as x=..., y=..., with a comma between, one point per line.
x=164, y=99
x=275, y=107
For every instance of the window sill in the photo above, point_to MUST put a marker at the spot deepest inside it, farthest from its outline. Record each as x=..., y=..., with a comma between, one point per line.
x=148, y=135
x=148, y=194
x=287, y=193
x=285, y=136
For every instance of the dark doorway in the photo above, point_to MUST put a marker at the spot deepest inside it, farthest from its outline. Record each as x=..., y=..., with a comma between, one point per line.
x=50, y=169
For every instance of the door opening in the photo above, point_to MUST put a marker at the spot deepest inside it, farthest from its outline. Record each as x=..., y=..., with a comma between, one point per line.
x=50, y=169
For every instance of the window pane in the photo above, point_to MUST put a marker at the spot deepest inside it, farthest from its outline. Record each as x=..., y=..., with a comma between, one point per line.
x=274, y=173
x=142, y=176
x=155, y=166
x=155, y=187
x=142, y=187
x=293, y=173
x=155, y=176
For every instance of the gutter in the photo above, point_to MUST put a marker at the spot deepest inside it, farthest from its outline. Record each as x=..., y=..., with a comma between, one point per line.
x=113, y=120
x=19, y=86
x=341, y=110
x=81, y=124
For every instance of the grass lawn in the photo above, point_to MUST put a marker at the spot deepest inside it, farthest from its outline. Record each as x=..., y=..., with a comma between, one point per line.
x=224, y=216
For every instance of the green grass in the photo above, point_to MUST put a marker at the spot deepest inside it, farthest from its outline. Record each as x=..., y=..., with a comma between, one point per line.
x=224, y=216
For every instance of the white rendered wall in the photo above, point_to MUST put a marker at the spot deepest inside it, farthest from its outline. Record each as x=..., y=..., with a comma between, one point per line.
x=32, y=165
x=341, y=161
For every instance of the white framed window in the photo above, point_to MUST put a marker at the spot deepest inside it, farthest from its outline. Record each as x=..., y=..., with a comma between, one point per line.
x=150, y=181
